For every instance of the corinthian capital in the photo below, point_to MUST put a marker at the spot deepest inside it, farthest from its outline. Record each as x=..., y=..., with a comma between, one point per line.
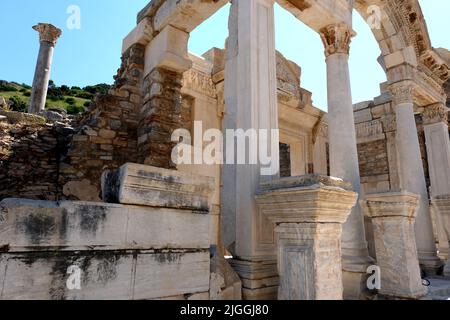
x=435, y=113
x=336, y=38
x=48, y=32
x=401, y=92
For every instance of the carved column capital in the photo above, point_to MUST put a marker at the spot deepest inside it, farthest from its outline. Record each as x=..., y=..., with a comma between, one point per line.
x=336, y=38
x=48, y=32
x=401, y=93
x=435, y=113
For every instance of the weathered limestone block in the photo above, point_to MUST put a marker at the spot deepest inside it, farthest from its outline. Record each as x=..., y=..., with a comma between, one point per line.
x=442, y=203
x=393, y=217
x=81, y=190
x=105, y=275
x=309, y=212
x=224, y=283
x=68, y=226
x=157, y=187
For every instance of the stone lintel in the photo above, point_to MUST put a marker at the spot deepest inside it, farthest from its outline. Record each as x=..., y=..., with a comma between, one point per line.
x=168, y=50
x=308, y=199
x=143, y=185
x=142, y=34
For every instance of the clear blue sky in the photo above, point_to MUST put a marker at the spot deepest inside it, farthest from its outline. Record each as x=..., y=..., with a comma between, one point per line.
x=92, y=54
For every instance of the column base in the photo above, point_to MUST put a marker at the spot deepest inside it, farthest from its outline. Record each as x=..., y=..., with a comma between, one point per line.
x=355, y=275
x=260, y=279
x=447, y=269
x=429, y=264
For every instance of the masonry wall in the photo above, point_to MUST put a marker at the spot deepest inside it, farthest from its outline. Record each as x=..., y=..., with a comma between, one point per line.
x=30, y=156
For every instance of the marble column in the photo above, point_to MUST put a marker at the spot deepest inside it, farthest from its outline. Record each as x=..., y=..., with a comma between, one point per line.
x=308, y=212
x=250, y=103
x=343, y=153
x=393, y=216
x=435, y=122
x=411, y=173
x=442, y=203
x=48, y=36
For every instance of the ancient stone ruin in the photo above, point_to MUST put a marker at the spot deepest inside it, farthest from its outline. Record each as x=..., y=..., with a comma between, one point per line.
x=363, y=185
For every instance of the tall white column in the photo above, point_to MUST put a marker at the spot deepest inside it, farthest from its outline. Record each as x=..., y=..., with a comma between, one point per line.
x=343, y=152
x=411, y=173
x=250, y=103
x=48, y=36
x=435, y=119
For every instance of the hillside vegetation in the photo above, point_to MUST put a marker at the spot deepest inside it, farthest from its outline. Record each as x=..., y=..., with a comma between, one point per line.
x=72, y=100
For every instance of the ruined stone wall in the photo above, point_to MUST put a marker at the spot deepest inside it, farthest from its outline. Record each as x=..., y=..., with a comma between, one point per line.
x=107, y=136
x=58, y=162
x=372, y=131
x=30, y=155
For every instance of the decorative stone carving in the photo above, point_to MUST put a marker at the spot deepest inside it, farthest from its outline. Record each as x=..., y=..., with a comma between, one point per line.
x=393, y=216
x=442, y=203
x=336, y=38
x=369, y=131
x=435, y=64
x=401, y=93
x=200, y=82
x=435, y=113
x=48, y=32
x=309, y=212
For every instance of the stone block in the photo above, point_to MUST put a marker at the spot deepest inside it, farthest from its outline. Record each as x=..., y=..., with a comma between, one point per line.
x=157, y=187
x=362, y=116
x=67, y=226
x=107, y=275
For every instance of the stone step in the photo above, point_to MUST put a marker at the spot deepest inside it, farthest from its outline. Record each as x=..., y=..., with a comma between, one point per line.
x=439, y=288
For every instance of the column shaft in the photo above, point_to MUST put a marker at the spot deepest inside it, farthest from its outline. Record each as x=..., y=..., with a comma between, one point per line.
x=343, y=152
x=411, y=174
x=250, y=104
x=48, y=35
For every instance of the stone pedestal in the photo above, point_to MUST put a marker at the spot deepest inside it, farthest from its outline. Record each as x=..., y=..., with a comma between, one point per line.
x=435, y=121
x=343, y=152
x=308, y=212
x=393, y=216
x=411, y=173
x=442, y=203
x=48, y=36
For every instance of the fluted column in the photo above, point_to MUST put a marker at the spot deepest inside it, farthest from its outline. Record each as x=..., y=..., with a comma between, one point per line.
x=435, y=121
x=48, y=36
x=343, y=151
x=411, y=173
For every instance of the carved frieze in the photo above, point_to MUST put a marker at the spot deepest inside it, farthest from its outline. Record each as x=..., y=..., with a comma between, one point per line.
x=200, y=82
